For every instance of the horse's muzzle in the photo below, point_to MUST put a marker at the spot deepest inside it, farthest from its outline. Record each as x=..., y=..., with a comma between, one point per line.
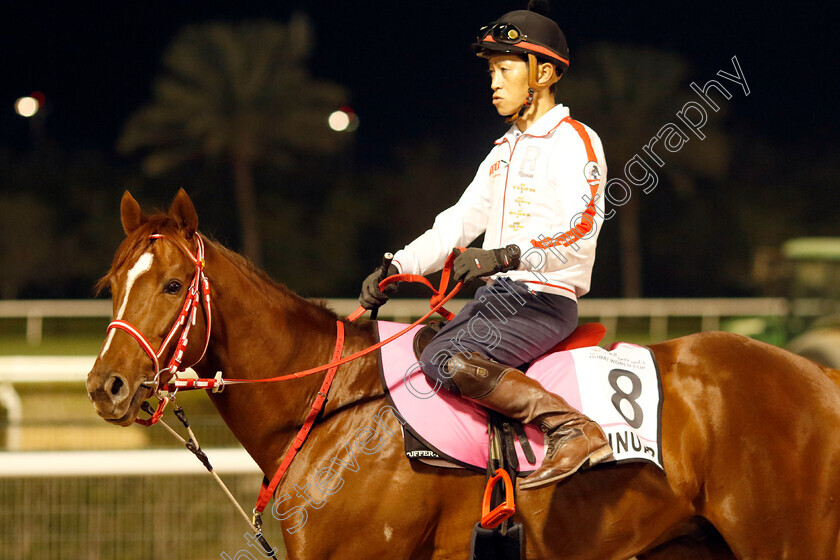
x=114, y=398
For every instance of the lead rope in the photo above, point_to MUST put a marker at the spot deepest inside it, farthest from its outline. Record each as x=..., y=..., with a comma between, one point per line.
x=254, y=524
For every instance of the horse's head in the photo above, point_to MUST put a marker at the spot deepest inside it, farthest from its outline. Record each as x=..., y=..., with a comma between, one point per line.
x=152, y=277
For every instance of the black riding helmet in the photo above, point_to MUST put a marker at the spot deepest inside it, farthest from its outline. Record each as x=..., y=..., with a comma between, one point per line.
x=526, y=32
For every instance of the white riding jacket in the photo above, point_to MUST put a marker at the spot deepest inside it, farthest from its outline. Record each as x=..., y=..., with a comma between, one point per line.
x=532, y=190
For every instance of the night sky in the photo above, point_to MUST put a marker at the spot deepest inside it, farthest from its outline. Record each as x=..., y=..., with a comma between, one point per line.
x=414, y=83
x=408, y=65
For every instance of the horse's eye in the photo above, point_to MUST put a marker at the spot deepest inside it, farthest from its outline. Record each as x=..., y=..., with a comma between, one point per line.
x=172, y=287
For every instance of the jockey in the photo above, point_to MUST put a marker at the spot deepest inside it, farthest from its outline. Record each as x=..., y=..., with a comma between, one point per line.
x=534, y=199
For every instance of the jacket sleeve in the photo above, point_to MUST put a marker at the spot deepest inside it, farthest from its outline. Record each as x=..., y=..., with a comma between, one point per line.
x=579, y=187
x=456, y=226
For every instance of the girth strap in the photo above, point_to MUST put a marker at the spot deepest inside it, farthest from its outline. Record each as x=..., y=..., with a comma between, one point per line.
x=267, y=490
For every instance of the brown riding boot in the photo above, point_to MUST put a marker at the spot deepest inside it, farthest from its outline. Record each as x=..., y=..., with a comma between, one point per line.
x=572, y=439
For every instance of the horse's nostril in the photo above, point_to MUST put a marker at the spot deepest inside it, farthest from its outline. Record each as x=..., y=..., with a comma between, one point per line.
x=116, y=385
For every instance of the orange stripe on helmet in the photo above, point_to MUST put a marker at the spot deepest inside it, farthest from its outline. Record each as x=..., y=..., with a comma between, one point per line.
x=529, y=46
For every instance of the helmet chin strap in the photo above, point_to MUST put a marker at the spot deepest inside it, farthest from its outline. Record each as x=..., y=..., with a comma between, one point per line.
x=517, y=115
x=532, y=87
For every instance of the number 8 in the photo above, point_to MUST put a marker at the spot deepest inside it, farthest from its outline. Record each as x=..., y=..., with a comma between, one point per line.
x=621, y=395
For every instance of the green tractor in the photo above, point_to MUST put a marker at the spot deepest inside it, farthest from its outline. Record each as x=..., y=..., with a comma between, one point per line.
x=807, y=271
x=812, y=326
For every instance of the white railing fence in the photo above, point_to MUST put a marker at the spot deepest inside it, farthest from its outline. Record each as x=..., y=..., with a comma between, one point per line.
x=608, y=311
x=126, y=505
x=35, y=311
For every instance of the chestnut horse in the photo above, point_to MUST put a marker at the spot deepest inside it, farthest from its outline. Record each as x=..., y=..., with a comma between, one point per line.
x=748, y=437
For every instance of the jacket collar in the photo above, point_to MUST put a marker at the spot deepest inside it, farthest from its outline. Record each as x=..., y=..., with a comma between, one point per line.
x=544, y=126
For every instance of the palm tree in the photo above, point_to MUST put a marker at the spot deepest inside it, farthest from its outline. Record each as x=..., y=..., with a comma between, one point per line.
x=239, y=93
x=627, y=94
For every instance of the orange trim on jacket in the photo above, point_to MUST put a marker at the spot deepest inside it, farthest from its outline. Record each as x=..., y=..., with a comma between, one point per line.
x=588, y=219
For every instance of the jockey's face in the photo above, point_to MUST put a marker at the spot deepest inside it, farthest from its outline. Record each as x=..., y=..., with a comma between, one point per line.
x=509, y=82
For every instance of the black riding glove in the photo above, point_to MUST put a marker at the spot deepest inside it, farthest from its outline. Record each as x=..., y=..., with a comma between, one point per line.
x=372, y=297
x=475, y=263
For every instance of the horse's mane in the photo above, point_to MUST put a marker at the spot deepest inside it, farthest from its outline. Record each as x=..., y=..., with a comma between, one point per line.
x=138, y=242
x=262, y=277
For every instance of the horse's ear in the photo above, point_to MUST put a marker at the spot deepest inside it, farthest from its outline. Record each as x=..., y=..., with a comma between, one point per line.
x=183, y=212
x=132, y=216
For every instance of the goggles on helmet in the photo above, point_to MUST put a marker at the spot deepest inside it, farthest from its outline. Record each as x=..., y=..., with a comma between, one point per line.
x=506, y=33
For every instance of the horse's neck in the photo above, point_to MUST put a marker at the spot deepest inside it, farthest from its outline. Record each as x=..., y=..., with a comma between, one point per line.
x=261, y=331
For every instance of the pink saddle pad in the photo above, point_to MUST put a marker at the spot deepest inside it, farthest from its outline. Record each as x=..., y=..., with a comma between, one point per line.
x=454, y=427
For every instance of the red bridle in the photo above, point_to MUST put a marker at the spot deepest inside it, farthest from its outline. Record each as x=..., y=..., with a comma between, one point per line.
x=198, y=292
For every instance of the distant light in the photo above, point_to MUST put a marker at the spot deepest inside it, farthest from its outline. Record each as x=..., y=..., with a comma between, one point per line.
x=344, y=120
x=27, y=106
x=339, y=121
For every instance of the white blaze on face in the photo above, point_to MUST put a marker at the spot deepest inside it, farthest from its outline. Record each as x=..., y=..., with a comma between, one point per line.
x=143, y=264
